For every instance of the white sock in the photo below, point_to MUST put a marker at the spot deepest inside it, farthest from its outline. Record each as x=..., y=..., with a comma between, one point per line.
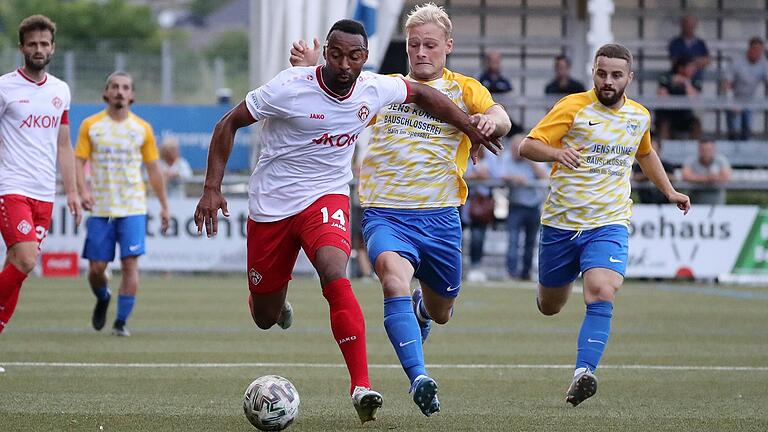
x=578, y=371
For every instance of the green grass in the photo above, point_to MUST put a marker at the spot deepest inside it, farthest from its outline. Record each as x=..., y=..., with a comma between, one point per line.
x=205, y=320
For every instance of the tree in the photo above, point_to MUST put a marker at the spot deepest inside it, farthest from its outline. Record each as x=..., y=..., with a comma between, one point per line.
x=231, y=45
x=87, y=24
x=203, y=8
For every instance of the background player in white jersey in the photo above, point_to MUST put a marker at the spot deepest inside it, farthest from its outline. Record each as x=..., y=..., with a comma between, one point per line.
x=34, y=135
x=116, y=141
x=299, y=193
x=593, y=138
x=410, y=187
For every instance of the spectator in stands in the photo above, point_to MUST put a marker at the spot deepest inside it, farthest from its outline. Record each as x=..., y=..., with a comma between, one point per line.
x=679, y=122
x=495, y=82
x=648, y=194
x=742, y=78
x=479, y=213
x=492, y=79
x=525, y=197
x=710, y=171
x=687, y=44
x=563, y=84
x=175, y=169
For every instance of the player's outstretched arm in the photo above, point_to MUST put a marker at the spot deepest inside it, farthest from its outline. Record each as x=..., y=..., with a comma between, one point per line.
x=66, y=159
x=654, y=170
x=223, y=137
x=443, y=108
x=302, y=55
x=158, y=185
x=539, y=151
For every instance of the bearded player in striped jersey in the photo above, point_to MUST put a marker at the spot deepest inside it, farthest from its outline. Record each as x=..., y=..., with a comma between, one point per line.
x=299, y=193
x=592, y=138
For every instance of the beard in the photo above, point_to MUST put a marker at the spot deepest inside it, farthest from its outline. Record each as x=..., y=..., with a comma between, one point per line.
x=37, y=64
x=610, y=99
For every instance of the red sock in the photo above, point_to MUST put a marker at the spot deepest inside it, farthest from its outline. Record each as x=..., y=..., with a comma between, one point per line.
x=11, y=279
x=348, y=327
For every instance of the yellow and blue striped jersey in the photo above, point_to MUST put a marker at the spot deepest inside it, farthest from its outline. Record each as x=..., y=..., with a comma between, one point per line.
x=116, y=151
x=597, y=193
x=415, y=160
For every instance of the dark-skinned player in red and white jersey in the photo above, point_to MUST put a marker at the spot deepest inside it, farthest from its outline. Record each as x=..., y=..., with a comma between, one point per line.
x=299, y=190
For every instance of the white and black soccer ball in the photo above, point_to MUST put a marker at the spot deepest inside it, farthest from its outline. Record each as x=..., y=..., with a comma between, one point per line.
x=271, y=403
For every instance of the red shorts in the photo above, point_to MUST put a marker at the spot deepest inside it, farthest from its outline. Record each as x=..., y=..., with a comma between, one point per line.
x=24, y=219
x=274, y=246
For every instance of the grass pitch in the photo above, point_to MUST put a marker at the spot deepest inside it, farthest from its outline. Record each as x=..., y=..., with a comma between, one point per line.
x=681, y=358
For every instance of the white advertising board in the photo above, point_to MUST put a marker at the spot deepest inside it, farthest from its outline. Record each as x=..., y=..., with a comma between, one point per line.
x=180, y=248
x=705, y=243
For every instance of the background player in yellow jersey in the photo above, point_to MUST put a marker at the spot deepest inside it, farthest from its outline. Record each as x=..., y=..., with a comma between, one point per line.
x=116, y=141
x=592, y=138
x=410, y=187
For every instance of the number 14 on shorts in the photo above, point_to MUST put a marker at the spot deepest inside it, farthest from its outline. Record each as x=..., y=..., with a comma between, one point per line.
x=338, y=218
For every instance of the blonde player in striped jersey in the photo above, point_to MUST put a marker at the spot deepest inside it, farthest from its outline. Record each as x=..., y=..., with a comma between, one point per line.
x=592, y=138
x=410, y=187
x=116, y=142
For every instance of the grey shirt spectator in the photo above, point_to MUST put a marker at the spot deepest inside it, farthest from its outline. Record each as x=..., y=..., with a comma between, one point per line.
x=710, y=171
x=742, y=78
x=524, y=175
x=525, y=196
x=747, y=71
x=175, y=168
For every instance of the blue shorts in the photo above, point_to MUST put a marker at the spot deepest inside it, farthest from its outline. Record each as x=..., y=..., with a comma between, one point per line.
x=563, y=254
x=104, y=233
x=429, y=238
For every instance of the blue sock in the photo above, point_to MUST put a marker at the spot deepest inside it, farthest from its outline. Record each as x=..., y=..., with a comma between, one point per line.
x=405, y=335
x=101, y=293
x=125, y=306
x=594, y=334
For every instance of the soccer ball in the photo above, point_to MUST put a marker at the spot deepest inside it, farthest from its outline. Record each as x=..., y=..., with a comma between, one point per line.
x=271, y=403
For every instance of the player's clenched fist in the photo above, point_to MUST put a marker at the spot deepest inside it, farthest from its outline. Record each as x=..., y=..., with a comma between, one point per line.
x=484, y=123
x=681, y=200
x=207, y=211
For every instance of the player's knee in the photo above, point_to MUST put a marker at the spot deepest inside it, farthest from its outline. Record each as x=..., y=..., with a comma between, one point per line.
x=97, y=278
x=263, y=321
x=440, y=317
x=25, y=262
x=264, y=324
x=393, y=286
x=327, y=277
x=25, y=265
x=549, y=308
x=601, y=294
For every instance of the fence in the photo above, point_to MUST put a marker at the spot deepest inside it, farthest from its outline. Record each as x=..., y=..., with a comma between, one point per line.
x=180, y=77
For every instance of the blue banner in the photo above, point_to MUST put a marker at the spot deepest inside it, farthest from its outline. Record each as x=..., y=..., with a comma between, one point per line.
x=191, y=124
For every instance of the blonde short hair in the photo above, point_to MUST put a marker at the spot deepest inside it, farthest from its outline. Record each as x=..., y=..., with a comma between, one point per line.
x=430, y=13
